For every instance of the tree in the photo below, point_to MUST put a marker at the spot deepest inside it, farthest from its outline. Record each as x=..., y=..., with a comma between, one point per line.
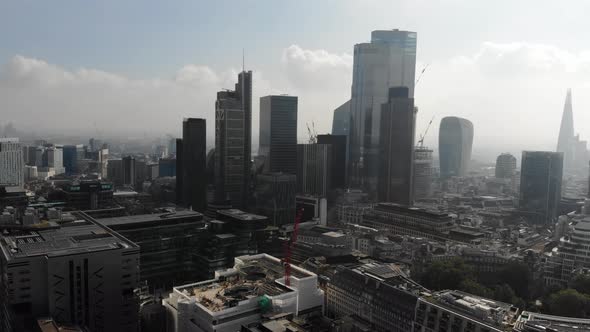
x=475, y=288
x=581, y=283
x=568, y=302
x=517, y=275
x=446, y=274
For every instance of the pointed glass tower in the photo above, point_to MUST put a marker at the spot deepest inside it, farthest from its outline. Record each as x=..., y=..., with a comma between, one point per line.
x=565, y=142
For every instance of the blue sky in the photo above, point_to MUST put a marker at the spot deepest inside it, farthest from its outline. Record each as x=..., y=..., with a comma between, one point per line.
x=488, y=59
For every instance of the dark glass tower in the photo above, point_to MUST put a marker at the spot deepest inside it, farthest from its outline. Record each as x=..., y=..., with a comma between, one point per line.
x=233, y=118
x=275, y=197
x=398, y=123
x=278, y=133
x=70, y=159
x=540, y=184
x=314, y=165
x=179, y=173
x=455, y=140
x=338, y=168
x=193, y=183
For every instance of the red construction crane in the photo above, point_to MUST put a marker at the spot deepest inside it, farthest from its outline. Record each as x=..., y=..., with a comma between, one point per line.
x=289, y=246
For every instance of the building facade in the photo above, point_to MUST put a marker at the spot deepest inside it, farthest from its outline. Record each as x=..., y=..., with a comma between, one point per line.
x=314, y=165
x=278, y=133
x=12, y=164
x=338, y=168
x=540, y=185
x=398, y=124
x=422, y=172
x=193, y=184
x=505, y=166
x=455, y=140
x=275, y=197
x=341, y=119
x=387, y=61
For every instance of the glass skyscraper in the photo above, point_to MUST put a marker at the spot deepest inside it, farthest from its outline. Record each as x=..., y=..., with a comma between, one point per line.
x=389, y=60
x=455, y=140
x=278, y=133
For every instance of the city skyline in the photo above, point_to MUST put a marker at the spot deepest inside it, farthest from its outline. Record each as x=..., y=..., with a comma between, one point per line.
x=532, y=70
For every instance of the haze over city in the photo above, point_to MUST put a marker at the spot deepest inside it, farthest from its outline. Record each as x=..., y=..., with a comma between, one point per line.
x=135, y=69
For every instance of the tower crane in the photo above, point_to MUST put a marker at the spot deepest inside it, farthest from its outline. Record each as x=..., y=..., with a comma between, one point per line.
x=421, y=140
x=313, y=136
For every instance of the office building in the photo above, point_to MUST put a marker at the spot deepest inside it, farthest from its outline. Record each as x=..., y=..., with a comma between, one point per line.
x=275, y=197
x=141, y=174
x=540, y=185
x=70, y=158
x=30, y=155
x=505, y=166
x=87, y=195
x=278, y=133
x=233, y=140
x=379, y=294
x=312, y=208
x=422, y=172
x=11, y=162
x=398, y=124
x=179, y=173
x=242, y=295
x=341, y=120
x=115, y=171
x=338, y=168
x=55, y=159
x=565, y=142
x=452, y=310
x=314, y=165
x=167, y=167
x=193, y=184
x=78, y=273
x=129, y=167
x=389, y=60
x=455, y=140
x=168, y=242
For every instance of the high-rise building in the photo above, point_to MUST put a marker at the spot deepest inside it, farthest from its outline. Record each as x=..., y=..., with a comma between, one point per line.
x=194, y=149
x=30, y=155
x=505, y=166
x=278, y=133
x=398, y=124
x=129, y=177
x=12, y=164
x=540, y=184
x=70, y=159
x=422, y=172
x=455, y=140
x=338, y=168
x=233, y=119
x=565, y=141
x=389, y=60
x=55, y=157
x=83, y=274
x=314, y=163
x=166, y=167
x=275, y=197
x=179, y=172
x=341, y=120
x=115, y=171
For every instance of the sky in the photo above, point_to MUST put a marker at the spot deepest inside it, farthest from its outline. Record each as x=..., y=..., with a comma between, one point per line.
x=137, y=68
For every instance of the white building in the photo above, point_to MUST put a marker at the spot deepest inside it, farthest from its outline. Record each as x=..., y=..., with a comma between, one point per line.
x=11, y=162
x=241, y=295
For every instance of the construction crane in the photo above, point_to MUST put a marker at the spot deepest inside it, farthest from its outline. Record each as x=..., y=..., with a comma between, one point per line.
x=313, y=135
x=289, y=247
x=421, y=140
x=420, y=75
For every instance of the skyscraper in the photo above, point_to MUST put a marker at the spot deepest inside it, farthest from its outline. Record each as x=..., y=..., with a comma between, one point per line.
x=398, y=124
x=341, y=119
x=565, y=142
x=179, y=172
x=422, y=172
x=314, y=164
x=389, y=60
x=193, y=182
x=505, y=166
x=540, y=184
x=338, y=168
x=278, y=133
x=275, y=197
x=233, y=118
x=129, y=168
x=11, y=162
x=70, y=159
x=455, y=140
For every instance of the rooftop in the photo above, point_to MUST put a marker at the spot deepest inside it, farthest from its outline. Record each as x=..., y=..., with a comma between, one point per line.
x=241, y=215
x=76, y=237
x=170, y=217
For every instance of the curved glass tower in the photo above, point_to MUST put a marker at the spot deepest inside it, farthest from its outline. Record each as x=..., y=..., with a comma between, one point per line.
x=455, y=140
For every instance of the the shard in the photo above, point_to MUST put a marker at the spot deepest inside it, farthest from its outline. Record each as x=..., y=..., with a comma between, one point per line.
x=565, y=142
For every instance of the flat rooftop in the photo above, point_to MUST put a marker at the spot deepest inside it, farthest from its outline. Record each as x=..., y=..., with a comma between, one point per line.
x=169, y=217
x=255, y=278
x=241, y=215
x=76, y=237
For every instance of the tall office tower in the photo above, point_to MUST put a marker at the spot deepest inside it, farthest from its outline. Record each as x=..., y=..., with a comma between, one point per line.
x=341, y=120
x=398, y=124
x=194, y=150
x=141, y=174
x=129, y=168
x=55, y=159
x=11, y=162
x=115, y=171
x=540, y=184
x=455, y=140
x=233, y=140
x=505, y=166
x=83, y=275
x=179, y=172
x=278, y=133
x=275, y=197
x=389, y=60
x=166, y=167
x=30, y=155
x=422, y=172
x=565, y=142
x=172, y=146
x=338, y=168
x=314, y=163
x=70, y=159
